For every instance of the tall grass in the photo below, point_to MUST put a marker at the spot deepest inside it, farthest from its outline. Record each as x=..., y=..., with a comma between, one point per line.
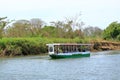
x=30, y=46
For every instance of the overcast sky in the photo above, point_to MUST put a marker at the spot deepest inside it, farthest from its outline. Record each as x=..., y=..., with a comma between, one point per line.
x=94, y=12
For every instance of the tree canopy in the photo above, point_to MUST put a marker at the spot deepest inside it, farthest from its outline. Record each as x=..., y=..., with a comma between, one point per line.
x=92, y=31
x=69, y=28
x=3, y=23
x=112, y=31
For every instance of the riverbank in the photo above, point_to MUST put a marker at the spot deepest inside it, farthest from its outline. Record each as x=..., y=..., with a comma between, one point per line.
x=29, y=46
x=36, y=46
x=106, y=45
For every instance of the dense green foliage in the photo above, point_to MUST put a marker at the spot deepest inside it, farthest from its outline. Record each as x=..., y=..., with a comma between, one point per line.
x=30, y=46
x=112, y=31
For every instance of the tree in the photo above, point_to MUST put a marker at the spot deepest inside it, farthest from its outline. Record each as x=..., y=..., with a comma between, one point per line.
x=49, y=31
x=59, y=28
x=36, y=22
x=68, y=27
x=3, y=23
x=112, y=31
x=19, y=28
x=74, y=24
x=36, y=25
x=25, y=28
x=92, y=31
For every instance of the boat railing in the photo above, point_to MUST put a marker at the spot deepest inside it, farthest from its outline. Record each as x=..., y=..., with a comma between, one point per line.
x=63, y=48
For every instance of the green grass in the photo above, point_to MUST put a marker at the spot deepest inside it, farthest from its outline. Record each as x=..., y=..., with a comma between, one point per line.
x=30, y=46
x=36, y=45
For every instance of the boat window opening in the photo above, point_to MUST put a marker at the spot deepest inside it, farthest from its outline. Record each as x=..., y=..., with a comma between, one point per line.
x=82, y=48
x=60, y=50
x=68, y=48
x=76, y=48
x=71, y=48
x=65, y=49
x=56, y=49
x=50, y=49
x=88, y=48
x=79, y=48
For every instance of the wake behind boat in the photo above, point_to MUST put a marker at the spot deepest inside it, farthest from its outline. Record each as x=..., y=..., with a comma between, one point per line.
x=68, y=50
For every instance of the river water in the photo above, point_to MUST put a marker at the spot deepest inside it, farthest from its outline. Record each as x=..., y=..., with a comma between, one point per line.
x=99, y=66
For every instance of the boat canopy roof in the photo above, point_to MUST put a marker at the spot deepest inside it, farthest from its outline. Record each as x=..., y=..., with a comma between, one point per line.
x=68, y=44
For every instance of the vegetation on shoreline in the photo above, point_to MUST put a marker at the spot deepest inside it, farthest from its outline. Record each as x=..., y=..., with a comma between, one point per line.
x=112, y=32
x=29, y=37
x=30, y=46
x=37, y=45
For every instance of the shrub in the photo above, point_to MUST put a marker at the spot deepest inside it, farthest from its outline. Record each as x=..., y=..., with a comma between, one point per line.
x=30, y=46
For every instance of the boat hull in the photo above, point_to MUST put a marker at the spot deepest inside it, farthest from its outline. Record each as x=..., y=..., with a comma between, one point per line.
x=58, y=56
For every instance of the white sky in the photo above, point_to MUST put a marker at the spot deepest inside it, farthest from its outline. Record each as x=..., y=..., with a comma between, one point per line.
x=94, y=12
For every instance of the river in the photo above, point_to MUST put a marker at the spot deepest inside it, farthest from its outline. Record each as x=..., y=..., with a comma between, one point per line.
x=103, y=65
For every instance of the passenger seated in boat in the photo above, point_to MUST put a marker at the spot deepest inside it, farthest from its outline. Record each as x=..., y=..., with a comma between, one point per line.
x=83, y=50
